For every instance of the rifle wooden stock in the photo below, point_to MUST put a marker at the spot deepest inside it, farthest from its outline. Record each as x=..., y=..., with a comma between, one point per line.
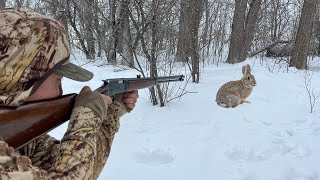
x=21, y=125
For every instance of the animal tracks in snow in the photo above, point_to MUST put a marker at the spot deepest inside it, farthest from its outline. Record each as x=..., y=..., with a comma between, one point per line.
x=277, y=148
x=248, y=155
x=154, y=157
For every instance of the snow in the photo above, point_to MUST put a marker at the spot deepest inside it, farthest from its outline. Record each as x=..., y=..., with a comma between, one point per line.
x=275, y=137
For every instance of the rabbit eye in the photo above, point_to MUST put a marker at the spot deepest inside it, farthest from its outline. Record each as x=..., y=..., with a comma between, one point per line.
x=248, y=78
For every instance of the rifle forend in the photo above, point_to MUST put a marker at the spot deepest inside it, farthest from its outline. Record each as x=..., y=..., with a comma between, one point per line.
x=21, y=125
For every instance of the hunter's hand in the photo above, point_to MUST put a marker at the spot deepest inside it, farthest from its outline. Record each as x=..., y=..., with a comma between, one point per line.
x=130, y=99
x=107, y=99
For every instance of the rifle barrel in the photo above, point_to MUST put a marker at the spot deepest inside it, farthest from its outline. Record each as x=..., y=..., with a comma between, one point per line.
x=178, y=78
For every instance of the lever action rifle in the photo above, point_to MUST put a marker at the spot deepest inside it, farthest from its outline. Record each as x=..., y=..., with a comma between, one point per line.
x=21, y=125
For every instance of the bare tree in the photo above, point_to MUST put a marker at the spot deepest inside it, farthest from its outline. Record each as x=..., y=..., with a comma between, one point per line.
x=303, y=37
x=88, y=27
x=19, y=3
x=313, y=95
x=183, y=47
x=154, y=43
x=187, y=48
x=243, y=29
x=214, y=36
x=124, y=38
x=317, y=29
x=81, y=18
x=237, y=33
x=280, y=16
x=22, y=3
x=196, y=12
x=153, y=37
x=2, y=4
x=112, y=53
x=277, y=27
x=73, y=10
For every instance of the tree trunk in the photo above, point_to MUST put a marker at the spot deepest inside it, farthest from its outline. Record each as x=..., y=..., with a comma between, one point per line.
x=183, y=46
x=303, y=37
x=243, y=30
x=196, y=13
x=251, y=23
x=154, y=43
x=237, y=31
x=317, y=29
x=149, y=55
x=100, y=34
x=206, y=23
x=124, y=45
x=89, y=27
x=275, y=4
x=112, y=56
x=189, y=21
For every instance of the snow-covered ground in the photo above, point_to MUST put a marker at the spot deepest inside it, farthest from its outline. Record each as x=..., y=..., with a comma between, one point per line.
x=275, y=137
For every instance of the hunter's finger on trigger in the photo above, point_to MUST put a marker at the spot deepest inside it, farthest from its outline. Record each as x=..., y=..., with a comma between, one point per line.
x=119, y=97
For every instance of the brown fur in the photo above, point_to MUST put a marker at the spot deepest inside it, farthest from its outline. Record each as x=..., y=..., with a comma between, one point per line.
x=233, y=93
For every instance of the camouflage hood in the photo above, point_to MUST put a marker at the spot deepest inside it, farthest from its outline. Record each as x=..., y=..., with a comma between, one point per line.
x=32, y=46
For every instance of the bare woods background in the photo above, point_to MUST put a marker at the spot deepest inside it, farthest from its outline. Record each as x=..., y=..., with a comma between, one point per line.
x=153, y=36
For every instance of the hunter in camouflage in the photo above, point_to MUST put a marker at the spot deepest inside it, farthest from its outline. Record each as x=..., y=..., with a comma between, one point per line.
x=32, y=47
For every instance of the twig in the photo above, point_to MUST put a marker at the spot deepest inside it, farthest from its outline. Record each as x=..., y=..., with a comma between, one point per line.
x=310, y=90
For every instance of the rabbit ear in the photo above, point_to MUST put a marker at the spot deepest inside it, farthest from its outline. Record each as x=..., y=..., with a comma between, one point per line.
x=246, y=69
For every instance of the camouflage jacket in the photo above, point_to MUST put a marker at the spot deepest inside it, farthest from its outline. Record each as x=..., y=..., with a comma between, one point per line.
x=82, y=152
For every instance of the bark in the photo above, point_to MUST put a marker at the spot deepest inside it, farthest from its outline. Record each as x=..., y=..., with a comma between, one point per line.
x=243, y=30
x=183, y=46
x=187, y=48
x=124, y=45
x=154, y=42
x=251, y=23
x=303, y=37
x=195, y=59
x=317, y=30
x=89, y=10
x=112, y=55
x=237, y=32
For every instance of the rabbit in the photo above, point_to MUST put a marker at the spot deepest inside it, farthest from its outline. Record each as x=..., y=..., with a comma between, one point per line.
x=233, y=93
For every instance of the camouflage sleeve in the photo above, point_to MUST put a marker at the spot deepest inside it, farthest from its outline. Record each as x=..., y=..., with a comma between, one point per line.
x=84, y=149
x=90, y=146
x=110, y=126
x=86, y=145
